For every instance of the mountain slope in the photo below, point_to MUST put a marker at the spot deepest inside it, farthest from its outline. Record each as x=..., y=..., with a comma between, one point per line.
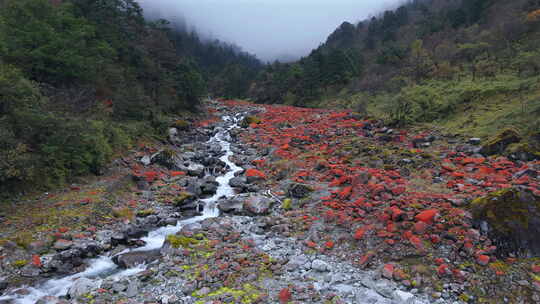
x=81, y=79
x=432, y=61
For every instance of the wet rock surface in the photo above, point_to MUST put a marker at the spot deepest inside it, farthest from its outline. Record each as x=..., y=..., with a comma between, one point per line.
x=136, y=258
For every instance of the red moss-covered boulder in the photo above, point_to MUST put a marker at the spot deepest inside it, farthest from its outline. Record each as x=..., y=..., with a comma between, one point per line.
x=388, y=271
x=254, y=175
x=427, y=216
x=482, y=259
x=285, y=296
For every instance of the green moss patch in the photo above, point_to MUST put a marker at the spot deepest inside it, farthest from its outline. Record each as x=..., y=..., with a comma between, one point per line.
x=498, y=144
x=513, y=216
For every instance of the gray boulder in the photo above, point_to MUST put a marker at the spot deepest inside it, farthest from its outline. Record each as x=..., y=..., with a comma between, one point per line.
x=320, y=266
x=209, y=187
x=234, y=206
x=297, y=190
x=257, y=205
x=238, y=182
x=132, y=259
x=88, y=249
x=83, y=286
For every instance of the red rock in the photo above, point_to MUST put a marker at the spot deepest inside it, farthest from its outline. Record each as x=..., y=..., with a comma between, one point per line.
x=388, y=271
x=459, y=274
x=383, y=217
x=482, y=259
x=535, y=268
x=491, y=249
x=329, y=245
x=177, y=173
x=255, y=173
x=435, y=239
x=407, y=235
x=398, y=190
x=345, y=193
x=36, y=260
x=391, y=227
x=311, y=244
x=420, y=227
x=365, y=259
x=390, y=242
x=448, y=167
x=444, y=270
x=427, y=216
x=285, y=296
x=63, y=229
x=397, y=213
x=417, y=243
x=359, y=234
x=400, y=275
x=439, y=261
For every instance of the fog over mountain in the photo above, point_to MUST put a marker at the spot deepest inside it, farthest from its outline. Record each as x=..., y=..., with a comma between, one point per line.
x=271, y=29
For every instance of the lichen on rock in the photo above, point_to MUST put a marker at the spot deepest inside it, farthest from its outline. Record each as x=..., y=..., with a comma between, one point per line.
x=248, y=120
x=522, y=151
x=181, y=124
x=513, y=219
x=499, y=143
x=183, y=198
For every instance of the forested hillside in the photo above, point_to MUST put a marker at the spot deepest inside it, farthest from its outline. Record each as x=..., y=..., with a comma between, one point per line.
x=79, y=79
x=471, y=66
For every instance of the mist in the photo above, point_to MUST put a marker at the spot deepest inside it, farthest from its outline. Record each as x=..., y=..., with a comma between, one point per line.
x=269, y=29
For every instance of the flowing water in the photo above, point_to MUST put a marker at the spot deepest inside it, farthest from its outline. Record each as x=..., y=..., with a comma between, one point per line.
x=103, y=266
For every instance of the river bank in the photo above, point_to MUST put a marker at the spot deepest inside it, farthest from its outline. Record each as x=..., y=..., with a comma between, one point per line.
x=297, y=205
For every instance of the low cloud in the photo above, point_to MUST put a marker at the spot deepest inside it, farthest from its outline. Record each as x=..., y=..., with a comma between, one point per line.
x=270, y=29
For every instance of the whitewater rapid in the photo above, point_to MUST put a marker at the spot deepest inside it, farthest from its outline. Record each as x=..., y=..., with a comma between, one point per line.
x=103, y=266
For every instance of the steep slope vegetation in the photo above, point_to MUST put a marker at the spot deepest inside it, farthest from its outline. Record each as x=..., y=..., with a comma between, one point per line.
x=80, y=79
x=470, y=66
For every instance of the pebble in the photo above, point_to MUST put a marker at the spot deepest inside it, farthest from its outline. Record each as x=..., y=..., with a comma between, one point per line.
x=319, y=265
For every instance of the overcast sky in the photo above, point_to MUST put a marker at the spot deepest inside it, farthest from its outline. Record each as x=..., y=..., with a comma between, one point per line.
x=270, y=29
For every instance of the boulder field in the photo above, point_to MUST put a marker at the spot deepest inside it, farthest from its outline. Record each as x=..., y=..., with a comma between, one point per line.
x=330, y=207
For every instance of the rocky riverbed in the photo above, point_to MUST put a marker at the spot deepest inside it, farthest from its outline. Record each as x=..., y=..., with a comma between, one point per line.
x=276, y=211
